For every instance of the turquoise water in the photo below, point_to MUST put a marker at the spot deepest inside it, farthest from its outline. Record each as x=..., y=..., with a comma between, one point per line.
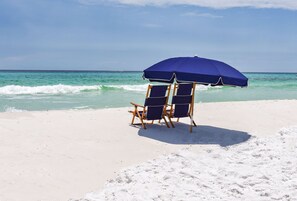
x=21, y=91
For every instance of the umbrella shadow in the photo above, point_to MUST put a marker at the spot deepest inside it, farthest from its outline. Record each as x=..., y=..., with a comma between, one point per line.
x=202, y=134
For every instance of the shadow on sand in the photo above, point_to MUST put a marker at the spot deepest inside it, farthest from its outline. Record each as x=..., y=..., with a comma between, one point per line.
x=202, y=134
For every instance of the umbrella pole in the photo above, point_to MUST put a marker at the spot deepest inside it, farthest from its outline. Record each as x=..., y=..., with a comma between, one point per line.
x=192, y=108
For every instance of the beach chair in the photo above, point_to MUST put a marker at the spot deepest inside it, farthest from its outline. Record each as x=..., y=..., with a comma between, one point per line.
x=154, y=107
x=182, y=104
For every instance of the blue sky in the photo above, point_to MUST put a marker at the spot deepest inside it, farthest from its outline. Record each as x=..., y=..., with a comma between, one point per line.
x=134, y=34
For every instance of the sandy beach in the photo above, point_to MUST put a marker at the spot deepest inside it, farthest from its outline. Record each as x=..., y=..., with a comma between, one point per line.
x=63, y=155
x=73, y=73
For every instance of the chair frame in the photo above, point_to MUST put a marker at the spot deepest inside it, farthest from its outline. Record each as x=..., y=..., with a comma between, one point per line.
x=170, y=112
x=142, y=117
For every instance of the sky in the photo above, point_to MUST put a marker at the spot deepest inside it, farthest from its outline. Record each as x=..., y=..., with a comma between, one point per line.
x=251, y=35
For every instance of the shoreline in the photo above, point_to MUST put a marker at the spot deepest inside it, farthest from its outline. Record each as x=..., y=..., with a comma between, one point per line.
x=129, y=107
x=64, y=154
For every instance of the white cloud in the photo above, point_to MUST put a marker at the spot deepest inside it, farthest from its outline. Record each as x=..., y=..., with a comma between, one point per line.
x=208, y=15
x=218, y=4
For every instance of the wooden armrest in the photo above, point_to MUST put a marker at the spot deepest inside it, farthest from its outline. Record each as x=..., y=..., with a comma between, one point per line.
x=137, y=105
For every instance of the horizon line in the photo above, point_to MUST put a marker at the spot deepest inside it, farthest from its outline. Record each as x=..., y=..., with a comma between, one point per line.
x=124, y=71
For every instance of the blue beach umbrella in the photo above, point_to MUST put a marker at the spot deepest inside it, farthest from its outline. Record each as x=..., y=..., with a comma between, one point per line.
x=195, y=69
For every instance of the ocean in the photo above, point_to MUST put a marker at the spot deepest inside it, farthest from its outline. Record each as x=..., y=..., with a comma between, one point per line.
x=59, y=90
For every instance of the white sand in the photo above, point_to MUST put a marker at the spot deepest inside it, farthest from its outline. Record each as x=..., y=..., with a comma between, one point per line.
x=58, y=155
x=259, y=169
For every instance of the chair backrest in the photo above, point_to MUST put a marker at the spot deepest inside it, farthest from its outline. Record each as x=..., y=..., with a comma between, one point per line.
x=157, y=90
x=182, y=100
x=156, y=101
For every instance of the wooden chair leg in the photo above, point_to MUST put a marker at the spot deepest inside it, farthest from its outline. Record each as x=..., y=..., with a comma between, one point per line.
x=152, y=121
x=194, y=123
x=171, y=122
x=191, y=124
x=192, y=119
x=166, y=123
x=177, y=120
x=140, y=117
x=159, y=121
x=142, y=123
x=133, y=118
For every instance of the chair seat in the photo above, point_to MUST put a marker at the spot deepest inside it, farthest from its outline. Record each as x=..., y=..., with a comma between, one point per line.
x=136, y=114
x=145, y=115
x=173, y=116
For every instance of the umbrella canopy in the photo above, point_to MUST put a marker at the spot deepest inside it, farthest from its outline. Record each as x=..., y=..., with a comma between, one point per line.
x=195, y=69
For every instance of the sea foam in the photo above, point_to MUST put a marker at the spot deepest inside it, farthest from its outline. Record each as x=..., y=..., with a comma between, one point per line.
x=72, y=89
x=64, y=89
x=13, y=109
x=48, y=89
x=259, y=169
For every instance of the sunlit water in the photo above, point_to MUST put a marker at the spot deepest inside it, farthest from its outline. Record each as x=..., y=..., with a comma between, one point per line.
x=21, y=91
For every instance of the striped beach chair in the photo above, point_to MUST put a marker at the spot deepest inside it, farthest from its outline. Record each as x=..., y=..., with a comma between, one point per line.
x=154, y=107
x=182, y=104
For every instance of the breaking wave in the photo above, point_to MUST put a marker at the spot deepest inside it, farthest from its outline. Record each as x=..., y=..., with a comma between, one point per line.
x=13, y=109
x=48, y=89
x=72, y=89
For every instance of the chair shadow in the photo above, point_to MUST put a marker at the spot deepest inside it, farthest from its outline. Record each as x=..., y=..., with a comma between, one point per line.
x=202, y=134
